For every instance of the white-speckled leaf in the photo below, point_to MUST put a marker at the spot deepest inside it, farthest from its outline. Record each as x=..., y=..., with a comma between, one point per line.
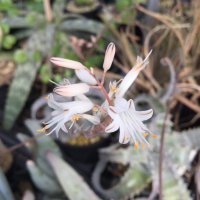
x=72, y=183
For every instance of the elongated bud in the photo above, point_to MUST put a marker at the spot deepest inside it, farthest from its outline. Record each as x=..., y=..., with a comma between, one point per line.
x=72, y=90
x=109, y=56
x=71, y=64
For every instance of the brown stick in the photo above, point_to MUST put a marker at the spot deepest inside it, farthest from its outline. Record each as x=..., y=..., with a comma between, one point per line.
x=165, y=20
x=47, y=10
x=24, y=143
x=188, y=103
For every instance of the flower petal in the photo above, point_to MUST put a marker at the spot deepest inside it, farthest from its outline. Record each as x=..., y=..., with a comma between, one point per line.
x=93, y=119
x=138, y=124
x=71, y=64
x=85, y=76
x=113, y=126
x=82, y=97
x=52, y=103
x=136, y=129
x=112, y=112
x=72, y=90
x=131, y=76
x=57, y=106
x=131, y=104
x=129, y=127
x=81, y=107
x=144, y=115
x=109, y=56
x=124, y=137
x=64, y=128
x=58, y=119
x=76, y=105
x=121, y=104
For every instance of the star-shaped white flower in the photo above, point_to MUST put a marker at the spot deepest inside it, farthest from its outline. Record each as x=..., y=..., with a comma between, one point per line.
x=129, y=121
x=68, y=111
x=123, y=113
x=118, y=89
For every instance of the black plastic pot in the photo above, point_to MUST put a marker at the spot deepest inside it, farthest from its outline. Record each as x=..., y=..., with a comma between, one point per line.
x=83, y=158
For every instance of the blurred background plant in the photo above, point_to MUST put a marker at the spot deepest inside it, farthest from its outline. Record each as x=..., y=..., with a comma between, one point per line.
x=33, y=31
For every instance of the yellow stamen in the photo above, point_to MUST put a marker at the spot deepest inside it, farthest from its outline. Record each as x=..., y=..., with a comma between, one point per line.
x=92, y=70
x=46, y=97
x=113, y=88
x=143, y=145
x=75, y=117
x=154, y=135
x=146, y=134
x=136, y=145
x=95, y=109
x=41, y=130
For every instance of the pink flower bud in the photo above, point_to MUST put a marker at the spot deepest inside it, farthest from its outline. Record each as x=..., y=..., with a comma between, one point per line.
x=71, y=64
x=109, y=56
x=72, y=90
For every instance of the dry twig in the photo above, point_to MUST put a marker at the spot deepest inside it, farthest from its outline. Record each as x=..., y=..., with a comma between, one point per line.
x=48, y=10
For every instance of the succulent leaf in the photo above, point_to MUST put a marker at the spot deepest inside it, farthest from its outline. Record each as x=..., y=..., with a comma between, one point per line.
x=72, y=183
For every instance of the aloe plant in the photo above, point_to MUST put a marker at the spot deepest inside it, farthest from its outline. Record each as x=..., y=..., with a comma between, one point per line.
x=50, y=173
x=44, y=182
x=180, y=150
x=72, y=183
x=37, y=46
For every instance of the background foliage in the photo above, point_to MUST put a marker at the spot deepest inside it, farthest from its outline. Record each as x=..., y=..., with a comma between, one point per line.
x=33, y=31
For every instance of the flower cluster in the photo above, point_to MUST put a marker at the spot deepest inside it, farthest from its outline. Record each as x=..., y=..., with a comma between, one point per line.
x=122, y=112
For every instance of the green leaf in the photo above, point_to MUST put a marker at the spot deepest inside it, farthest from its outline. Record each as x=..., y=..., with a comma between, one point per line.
x=68, y=73
x=121, y=5
x=71, y=55
x=45, y=183
x=45, y=73
x=5, y=188
x=36, y=56
x=85, y=25
x=94, y=61
x=8, y=41
x=84, y=2
x=35, y=19
x=43, y=145
x=19, y=91
x=38, y=45
x=5, y=27
x=57, y=77
x=20, y=56
x=72, y=183
x=8, y=6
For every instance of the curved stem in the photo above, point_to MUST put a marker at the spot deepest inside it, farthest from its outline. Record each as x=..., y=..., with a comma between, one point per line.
x=161, y=154
x=101, y=87
x=103, y=90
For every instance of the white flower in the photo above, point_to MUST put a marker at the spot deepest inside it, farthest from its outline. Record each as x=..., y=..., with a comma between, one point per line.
x=123, y=113
x=68, y=111
x=119, y=89
x=129, y=121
